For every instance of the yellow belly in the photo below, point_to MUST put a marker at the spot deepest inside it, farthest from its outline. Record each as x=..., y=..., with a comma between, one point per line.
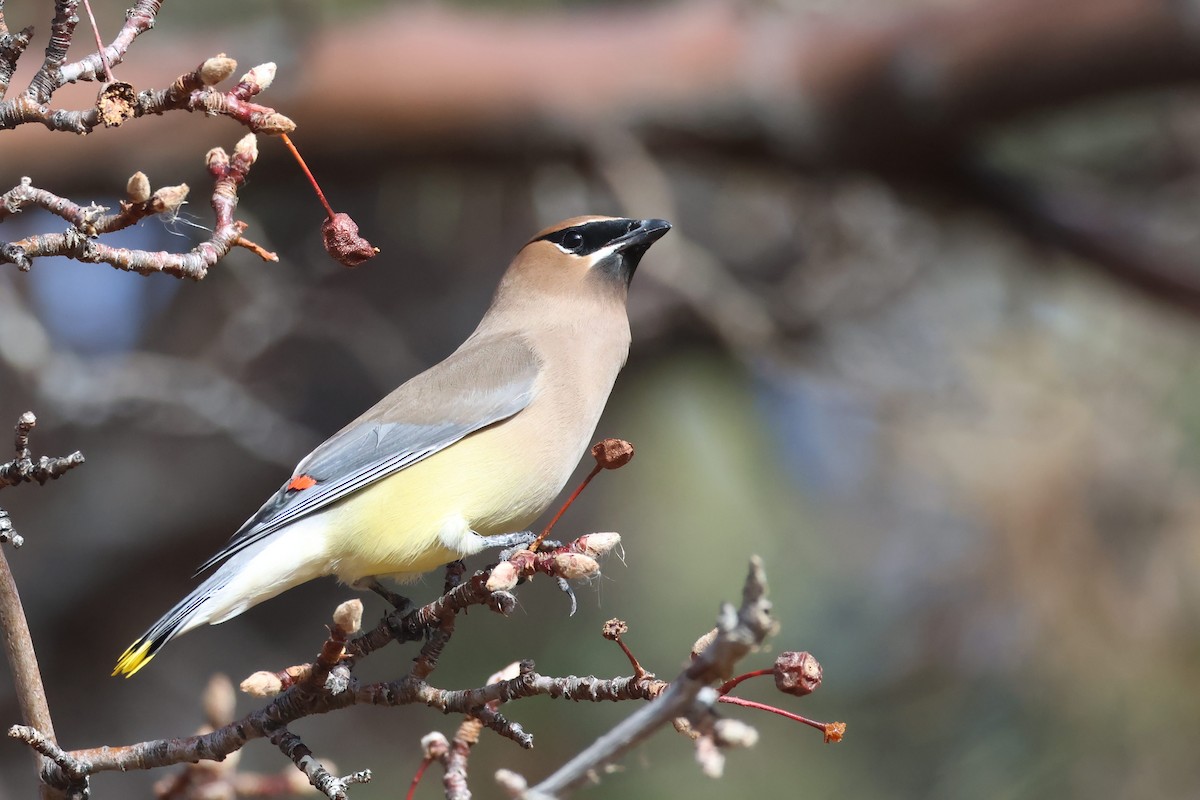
x=490, y=482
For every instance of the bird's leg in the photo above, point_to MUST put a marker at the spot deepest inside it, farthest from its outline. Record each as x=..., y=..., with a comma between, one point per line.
x=398, y=601
x=512, y=542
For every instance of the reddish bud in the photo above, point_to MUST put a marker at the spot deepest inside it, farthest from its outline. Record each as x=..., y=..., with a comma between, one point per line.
x=343, y=242
x=612, y=453
x=797, y=673
x=614, y=629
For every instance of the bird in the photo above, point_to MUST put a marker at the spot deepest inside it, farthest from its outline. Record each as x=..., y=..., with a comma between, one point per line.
x=476, y=446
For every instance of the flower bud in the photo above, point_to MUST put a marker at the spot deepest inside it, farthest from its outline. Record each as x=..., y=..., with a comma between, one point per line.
x=434, y=745
x=597, y=544
x=504, y=577
x=734, y=733
x=169, y=198
x=574, y=566
x=704, y=642
x=260, y=77
x=262, y=684
x=137, y=189
x=247, y=148
x=513, y=670
x=216, y=69
x=348, y=616
x=219, y=701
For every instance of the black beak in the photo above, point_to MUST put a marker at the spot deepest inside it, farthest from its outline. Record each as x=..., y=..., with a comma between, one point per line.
x=643, y=234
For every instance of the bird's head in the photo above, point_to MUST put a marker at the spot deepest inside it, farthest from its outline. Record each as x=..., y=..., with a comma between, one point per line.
x=590, y=254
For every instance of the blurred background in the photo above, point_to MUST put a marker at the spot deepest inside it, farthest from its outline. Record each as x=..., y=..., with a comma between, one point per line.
x=924, y=337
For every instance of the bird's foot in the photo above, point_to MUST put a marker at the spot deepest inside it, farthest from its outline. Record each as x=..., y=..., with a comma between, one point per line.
x=566, y=589
x=519, y=540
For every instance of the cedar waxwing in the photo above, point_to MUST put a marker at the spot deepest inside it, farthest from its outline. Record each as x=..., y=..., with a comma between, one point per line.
x=476, y=446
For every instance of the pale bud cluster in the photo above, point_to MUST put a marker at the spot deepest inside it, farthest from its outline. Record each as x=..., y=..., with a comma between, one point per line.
x=513, y=784
x=216, y=69
x=247, y=148
x=216, y=159
x=734, y=733
x=266, y=684
x=434, y=746
x=348, y=617
x=513, y=670
x=137, y=189
x=575, y=566
x=261, y=77
x=704, y=642
x=504, y=577
x=169, y=198
x=597, y=544
x=219, y=701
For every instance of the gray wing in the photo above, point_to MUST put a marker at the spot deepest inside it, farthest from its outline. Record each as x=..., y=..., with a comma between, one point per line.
x=485, y=381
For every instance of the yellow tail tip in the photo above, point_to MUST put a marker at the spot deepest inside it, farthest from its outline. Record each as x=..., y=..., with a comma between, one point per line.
x=137, y=656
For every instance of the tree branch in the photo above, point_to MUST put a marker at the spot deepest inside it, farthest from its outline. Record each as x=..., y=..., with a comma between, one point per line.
x=18, y=642
x=77, y=242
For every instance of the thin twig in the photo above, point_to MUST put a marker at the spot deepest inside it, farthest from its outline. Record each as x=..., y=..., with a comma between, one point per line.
x=738, y=633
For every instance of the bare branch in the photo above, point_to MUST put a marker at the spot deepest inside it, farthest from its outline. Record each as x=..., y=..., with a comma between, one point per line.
x=77, y=242
x=192, y=91
x=14, y=628
x=62, y=30
x=24, y=469
x=12, y=46
x=738, y=633
x=138, y=20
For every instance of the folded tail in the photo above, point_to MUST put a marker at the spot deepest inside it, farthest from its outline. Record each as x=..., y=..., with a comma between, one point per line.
x=188, y=613
x=285, y=559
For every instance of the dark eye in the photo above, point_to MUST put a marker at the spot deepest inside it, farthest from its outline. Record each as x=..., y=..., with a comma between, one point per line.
x=573, y=241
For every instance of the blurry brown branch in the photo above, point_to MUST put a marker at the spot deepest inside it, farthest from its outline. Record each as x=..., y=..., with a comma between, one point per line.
x=329, y=684
x=78, y=242
x=14, y=628
x=1116, y=240
x=911, y=96
x=192, y=91
x=820, y=90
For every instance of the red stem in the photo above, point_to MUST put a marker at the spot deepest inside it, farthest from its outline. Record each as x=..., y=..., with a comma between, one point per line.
x=538, y=541
x=737, y=701
x=99, y=44
x=300, y=160
x=728, y=685
x=412, y=787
